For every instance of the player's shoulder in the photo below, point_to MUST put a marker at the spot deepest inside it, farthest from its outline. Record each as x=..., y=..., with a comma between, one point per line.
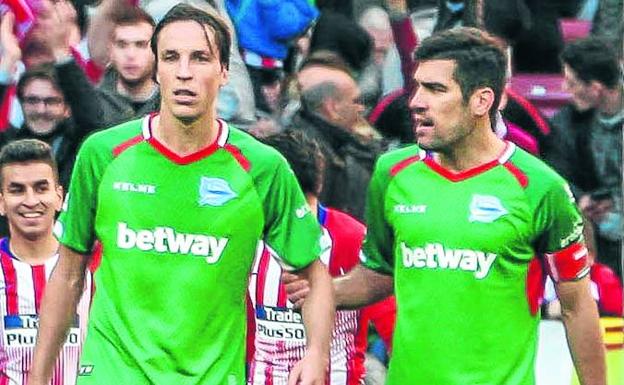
x=538, y=175
x=107, y=140
x=259, y=155
x=393, y=162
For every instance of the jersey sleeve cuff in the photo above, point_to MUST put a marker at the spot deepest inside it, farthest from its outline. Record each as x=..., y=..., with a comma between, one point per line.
x=569, y=264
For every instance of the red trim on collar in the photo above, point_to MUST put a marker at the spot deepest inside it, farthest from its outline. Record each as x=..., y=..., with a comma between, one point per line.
x=127, y=144
x=186, y=159
x=520, y=176
x=466, y=174
x=238, y=155
x=397, y=168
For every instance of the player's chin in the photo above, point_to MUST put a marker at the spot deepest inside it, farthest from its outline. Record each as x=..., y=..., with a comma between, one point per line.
x=187, y=115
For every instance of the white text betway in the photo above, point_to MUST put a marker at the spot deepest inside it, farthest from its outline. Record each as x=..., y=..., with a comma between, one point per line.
x=167, y=240
x=436, y=256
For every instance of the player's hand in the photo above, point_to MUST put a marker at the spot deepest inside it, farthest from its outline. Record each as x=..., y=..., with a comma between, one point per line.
x=311, y=370
x=11, y=51
x=56, y=19
x=297, y=288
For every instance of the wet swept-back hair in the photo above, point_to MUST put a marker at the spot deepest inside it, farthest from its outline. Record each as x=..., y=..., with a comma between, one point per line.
x=186, y=12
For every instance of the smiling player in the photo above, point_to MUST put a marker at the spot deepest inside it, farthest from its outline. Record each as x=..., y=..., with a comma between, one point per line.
x=30, y=196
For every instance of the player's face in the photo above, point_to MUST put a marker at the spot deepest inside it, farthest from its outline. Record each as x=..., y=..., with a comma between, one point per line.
x=189, y=70
x=584, y=95
x=441, y=116
x=29, y=198
x=44, y=106
x=131, y=54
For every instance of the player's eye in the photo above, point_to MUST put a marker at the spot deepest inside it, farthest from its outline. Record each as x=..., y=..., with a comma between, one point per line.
x=169, y=57
x=201, y=57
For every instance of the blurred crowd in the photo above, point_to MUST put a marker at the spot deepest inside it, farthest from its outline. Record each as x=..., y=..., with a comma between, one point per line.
x=341, y=72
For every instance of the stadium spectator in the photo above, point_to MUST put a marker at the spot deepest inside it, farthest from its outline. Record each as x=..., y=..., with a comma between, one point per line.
x=128, y=89
x=331, y=113
x=586, y=141
x=531, y=27
x=608, y=24
x=453, y=225
x=46, y=117
x=30, y=196
x=336, y=33
x=265, y=29
x=275, y=350
x=129, y=188
x=376, y=23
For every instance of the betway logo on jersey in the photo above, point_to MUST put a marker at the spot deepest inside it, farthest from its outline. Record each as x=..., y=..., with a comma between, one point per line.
x=436, y=256
x=167, y=240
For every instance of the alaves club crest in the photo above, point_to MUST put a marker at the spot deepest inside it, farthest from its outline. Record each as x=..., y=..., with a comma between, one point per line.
x=215, y=192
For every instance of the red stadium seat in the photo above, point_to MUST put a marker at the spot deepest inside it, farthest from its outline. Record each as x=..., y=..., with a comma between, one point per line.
x=545, y=91
x=572, y=29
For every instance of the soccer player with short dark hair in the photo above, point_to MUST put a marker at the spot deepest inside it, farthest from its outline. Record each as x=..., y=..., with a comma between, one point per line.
x=180, y=200
x=30, y=196
x=459, y=227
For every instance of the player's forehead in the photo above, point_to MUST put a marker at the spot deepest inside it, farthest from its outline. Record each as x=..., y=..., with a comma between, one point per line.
x=187, y=35
x=440, y=71
x=27, y=173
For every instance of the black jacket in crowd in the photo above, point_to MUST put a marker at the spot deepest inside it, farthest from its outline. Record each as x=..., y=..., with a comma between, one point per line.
x=349, y=162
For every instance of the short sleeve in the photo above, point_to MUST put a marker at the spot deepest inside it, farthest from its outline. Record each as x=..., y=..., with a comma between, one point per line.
x=560, y=225
x=291, y=230
x=75, y=226
x=377, y=251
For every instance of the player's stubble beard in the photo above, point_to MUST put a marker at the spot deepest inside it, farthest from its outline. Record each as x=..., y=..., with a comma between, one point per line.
x=460, y=133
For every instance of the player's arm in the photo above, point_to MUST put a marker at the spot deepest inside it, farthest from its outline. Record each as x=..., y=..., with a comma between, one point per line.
x=567, y=263
x=372, y=280
x=318, y=319
x=362, y=286
x=58, y=309
x=580, y=317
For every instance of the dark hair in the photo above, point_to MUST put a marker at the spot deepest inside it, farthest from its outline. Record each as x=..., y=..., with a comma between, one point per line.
x=27, y=150
x=43, y=72
x=479, y=57
x=132, y=16
x=185, y=12
x=304, y=156
x=593, y=59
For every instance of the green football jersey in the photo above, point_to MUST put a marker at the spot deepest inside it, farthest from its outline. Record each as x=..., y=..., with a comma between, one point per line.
x=179, y=235
x=460, y=247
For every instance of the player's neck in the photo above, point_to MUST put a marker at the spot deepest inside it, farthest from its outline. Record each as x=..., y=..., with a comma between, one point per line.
x=479, y=147
x=313, y=203
x=33, y=252
x=185, y=139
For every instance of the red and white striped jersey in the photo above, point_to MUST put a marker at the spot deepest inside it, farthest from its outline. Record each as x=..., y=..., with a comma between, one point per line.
x=277, y=330
x=21, y=291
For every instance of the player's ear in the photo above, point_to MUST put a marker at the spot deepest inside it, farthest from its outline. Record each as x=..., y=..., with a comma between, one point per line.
x=58, y=203
x=482, y=101
x=224, y=76
x=2, y=205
